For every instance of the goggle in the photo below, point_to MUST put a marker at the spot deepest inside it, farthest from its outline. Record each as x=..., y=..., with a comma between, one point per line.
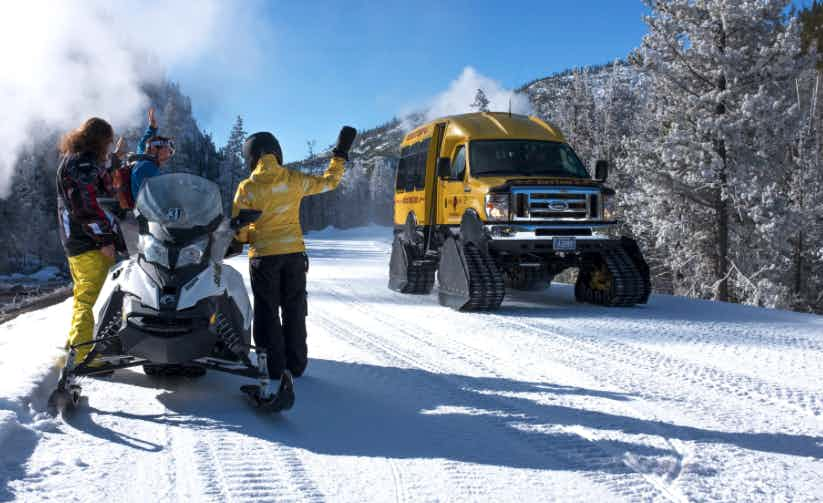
x=162, y=143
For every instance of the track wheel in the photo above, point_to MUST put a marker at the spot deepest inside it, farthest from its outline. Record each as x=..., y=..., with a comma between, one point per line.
x=408, y=271
x=469, y=279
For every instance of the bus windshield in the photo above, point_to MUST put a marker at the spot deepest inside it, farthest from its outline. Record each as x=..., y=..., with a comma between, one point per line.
x=524, y=158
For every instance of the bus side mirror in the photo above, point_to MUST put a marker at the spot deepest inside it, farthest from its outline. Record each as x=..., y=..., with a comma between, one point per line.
x=444, y=167
x=601, y=170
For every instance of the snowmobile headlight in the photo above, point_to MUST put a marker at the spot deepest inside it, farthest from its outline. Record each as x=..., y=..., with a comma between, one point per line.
x=608, y=207
x=193, y=253
x=497, y=207
x=153, y=250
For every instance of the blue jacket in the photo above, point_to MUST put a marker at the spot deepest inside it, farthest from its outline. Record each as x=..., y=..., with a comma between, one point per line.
x=145, y=168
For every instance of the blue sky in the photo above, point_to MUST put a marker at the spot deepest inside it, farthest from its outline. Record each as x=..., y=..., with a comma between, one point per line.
x=361, y=63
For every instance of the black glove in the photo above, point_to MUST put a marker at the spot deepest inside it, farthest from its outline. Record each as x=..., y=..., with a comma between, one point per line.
x=344, y=142
x=235, y=248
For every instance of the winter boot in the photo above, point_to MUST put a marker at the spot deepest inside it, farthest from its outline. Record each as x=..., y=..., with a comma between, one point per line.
x=284, y=398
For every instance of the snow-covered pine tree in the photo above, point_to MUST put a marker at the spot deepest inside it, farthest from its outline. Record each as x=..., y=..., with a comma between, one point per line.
x=616, y=118
x=232, y=168
x=311, y=147
x=576, y=116
x=481, y=102
x=710, y=163
x=807, y=183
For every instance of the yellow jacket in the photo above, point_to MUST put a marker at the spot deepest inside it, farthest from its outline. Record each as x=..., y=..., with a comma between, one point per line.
x=277, y=192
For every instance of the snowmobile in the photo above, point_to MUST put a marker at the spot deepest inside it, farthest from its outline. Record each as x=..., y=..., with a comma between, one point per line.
x=175, y=308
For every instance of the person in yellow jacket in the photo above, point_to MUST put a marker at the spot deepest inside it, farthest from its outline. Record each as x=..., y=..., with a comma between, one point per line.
x=277, y=258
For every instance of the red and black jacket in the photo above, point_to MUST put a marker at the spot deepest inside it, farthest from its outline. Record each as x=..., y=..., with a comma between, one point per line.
x=84, y=226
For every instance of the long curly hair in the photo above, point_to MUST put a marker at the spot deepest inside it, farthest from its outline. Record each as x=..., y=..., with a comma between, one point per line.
x=93, y=137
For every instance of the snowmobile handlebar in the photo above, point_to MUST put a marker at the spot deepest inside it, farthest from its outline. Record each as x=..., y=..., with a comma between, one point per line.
x=244, y=218
x=235, y=248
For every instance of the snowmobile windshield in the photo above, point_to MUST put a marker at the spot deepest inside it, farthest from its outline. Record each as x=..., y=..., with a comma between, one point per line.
x=524, y=158
x=180, y=201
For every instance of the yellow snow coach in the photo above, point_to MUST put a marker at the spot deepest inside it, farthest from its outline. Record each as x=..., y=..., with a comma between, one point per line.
x=490, y=200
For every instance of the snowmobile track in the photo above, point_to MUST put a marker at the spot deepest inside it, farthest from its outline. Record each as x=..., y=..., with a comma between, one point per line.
x=241, y=468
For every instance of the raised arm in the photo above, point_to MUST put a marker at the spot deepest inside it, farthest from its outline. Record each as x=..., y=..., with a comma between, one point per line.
x=329, y=180
x=151, y=131
x=334, y=173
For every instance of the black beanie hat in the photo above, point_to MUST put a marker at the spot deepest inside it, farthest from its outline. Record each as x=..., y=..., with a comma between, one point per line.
x=258, y=145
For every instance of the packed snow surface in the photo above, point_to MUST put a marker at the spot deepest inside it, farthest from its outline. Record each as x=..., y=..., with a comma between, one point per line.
x=405, y=400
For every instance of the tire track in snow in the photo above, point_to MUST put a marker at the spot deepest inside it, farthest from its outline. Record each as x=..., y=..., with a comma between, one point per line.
x=653, y=363
x=631, y=375
x=662, y=481
x=464, y=480
x=579, y=453
x=239, y=468
x=400, y=495
x=630, y=356
x=628, y=368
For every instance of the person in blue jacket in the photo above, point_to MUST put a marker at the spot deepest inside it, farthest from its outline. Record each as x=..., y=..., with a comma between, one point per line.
x=154, y=150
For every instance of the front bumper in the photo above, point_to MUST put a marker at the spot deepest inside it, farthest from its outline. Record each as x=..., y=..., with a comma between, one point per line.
x=539, y=238
x=176, y=337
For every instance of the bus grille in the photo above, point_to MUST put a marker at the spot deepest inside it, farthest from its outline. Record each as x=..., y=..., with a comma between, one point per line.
x=565, y=204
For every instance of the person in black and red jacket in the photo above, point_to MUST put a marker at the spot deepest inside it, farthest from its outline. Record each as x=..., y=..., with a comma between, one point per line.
x=89, y=234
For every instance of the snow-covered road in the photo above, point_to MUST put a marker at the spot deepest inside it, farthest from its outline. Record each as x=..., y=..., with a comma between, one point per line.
x=405, y=400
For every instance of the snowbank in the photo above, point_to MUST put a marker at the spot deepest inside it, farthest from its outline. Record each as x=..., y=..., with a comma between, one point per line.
x=29, y=351
x=369, y=232
x=44, y=275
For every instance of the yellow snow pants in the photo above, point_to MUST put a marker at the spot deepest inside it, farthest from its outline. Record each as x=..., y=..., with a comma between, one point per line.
x=88, y=271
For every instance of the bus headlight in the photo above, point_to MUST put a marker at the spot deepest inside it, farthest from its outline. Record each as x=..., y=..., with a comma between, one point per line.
x=497, y=207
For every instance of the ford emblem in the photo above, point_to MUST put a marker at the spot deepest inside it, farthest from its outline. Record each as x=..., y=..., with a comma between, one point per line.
x=558, y=206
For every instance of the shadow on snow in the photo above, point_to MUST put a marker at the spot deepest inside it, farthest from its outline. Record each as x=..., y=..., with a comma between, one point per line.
x=352, y=409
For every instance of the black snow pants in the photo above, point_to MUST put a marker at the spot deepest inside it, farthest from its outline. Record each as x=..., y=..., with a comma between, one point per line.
x=278, y=283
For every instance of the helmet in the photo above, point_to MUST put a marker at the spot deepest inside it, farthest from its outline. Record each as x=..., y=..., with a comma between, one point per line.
x=260, y=144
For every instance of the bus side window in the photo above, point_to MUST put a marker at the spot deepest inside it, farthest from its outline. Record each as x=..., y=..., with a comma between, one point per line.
x=458, y=168
x=402, y=174
x=411, y=170
x=419, y=176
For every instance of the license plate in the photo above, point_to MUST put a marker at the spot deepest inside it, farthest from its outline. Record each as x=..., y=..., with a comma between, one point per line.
x=564, y=244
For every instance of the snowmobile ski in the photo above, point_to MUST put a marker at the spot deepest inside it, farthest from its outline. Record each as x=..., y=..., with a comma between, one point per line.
x=281, y=401
x=66, y=395
x=64, y=400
